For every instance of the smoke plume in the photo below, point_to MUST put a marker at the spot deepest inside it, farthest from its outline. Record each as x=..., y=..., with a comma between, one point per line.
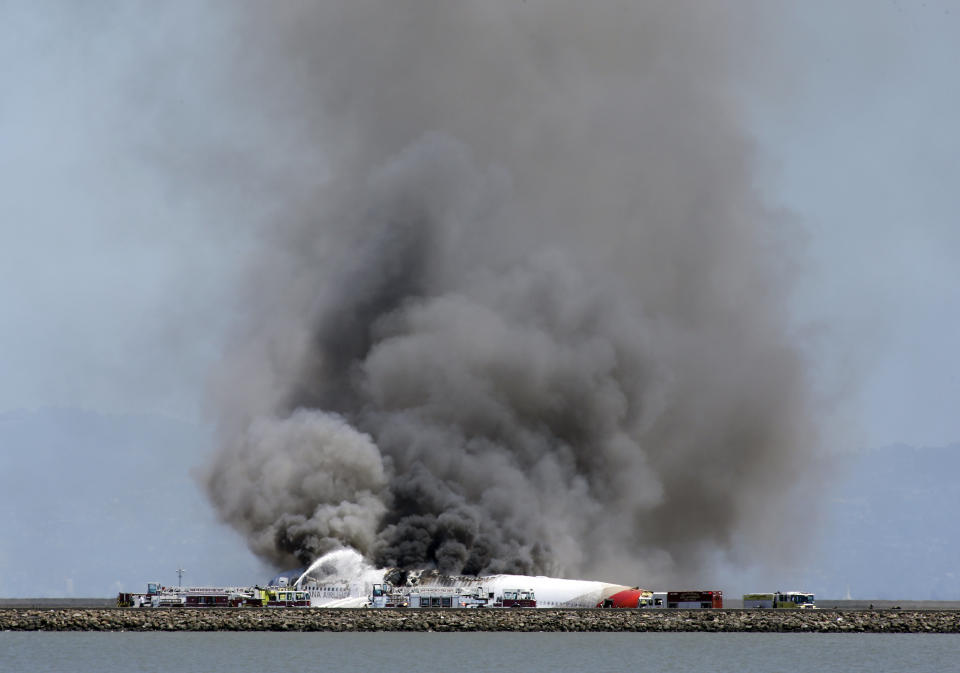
x=518, y=305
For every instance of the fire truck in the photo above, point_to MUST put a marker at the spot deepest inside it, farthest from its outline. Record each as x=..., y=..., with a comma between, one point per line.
x=790, y=600
x=516, y=599
x=682, y=600
x=449, y=597
x=159, y=596
x=156, y=596
x=435, y=596
x=387, y=596
x=284, y=597
x=452, y=597
x=694, y=600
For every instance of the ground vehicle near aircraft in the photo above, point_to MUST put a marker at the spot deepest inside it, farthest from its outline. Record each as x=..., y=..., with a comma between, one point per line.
x=452, y=597
x=159, y=596
x=516, y=598
x=385, y=596
x=284, y=597
x=156, y=594
x=684, y=600
x=692, y=600
x=629, y=598
x=780, y=600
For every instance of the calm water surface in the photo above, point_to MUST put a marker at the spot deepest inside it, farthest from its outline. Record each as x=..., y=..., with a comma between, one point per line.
x=435, y=652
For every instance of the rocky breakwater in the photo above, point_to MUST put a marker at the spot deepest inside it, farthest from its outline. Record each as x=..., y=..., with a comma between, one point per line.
x=813, y=621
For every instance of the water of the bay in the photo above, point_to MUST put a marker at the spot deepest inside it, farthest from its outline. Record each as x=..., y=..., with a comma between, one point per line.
x=435, y=652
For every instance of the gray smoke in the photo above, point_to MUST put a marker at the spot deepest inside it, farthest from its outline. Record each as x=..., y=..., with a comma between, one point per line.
x=530, y=315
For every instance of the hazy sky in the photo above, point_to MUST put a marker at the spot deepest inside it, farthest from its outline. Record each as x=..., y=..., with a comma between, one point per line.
x=115, y=285
x=865, y=152
x=116, y=282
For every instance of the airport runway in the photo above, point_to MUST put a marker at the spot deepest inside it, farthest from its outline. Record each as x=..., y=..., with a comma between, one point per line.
x=729, y=603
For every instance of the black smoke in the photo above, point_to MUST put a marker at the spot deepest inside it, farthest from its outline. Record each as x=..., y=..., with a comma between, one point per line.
x=531, y=315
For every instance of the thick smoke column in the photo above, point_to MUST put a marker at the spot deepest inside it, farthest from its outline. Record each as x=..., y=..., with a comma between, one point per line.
x=530, y=316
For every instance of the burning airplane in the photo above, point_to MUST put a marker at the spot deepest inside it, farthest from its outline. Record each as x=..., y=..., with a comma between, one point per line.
x=343, y=579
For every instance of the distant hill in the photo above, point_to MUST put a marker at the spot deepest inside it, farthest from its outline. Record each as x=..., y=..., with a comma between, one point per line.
x=90, y=503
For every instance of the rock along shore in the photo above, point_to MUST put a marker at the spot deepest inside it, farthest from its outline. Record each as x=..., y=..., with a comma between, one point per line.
x=548, y=620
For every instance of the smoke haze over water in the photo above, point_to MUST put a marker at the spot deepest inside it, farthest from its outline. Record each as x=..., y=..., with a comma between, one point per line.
x=530, y=316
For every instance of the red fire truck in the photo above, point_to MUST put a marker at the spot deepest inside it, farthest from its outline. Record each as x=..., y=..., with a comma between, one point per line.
x=690, y=600
x=516, y=599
